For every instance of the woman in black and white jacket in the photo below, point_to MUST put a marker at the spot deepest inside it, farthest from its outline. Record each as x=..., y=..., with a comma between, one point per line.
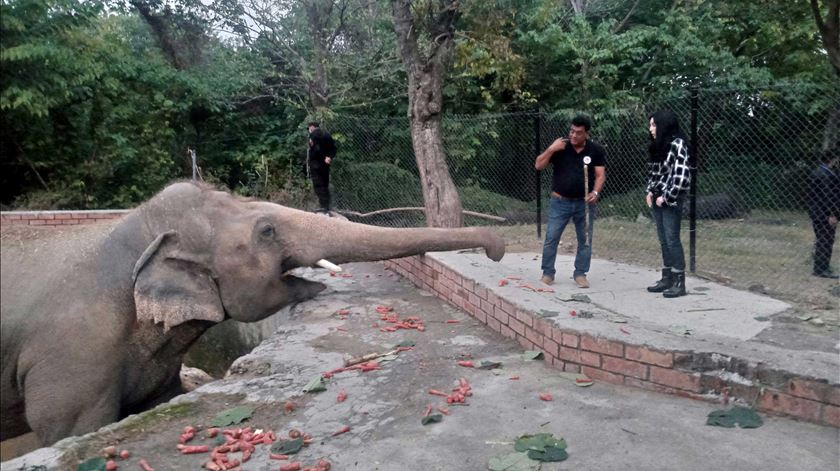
x=669, y=178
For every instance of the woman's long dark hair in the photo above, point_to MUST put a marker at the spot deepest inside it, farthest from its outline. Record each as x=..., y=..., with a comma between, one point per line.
x=667, y=129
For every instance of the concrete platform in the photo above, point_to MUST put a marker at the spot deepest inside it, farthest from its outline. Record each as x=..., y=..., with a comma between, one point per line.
x=629, y=336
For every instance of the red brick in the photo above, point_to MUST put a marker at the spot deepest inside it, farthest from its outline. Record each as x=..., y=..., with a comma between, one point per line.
x=37, y=222
x=481, y=316
x=551, y=346
x=571, y=340
x=468, y=285
x=534, y=336
x=625, y=367
x=506, y=306
x=524, y=317
x=10, y=216
x=517, y=326
x=602, y=345
x=494, y=324
x=481, y=292
x=808, y=389
x=831, y=415
x=557, y=335
x=590, y=358
x=508, y=332
x=492, y=298
x=487, y=306
x=651, y=357
x=500, y=315
x=674, y=378
x=569, y=354
x=782, y=403
x=474, y=300
x=601, y=375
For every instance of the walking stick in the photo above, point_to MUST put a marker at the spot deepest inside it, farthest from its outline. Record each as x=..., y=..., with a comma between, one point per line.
x=586, y=161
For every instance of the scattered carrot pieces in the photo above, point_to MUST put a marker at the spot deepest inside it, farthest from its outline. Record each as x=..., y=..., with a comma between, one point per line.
x=275, y=456
x=435, y=392
x=427, y=411
x=144, y=465
x=443, y=410
x=193, y=449
x=111, y=465
x=546, y=397
x=453, y=321
x=514, y=377
x=466, y=364
x=342, y=396
x=291, y=466
x=503, y=282
x=124, y=454
x=344, y=429
x=290, y=406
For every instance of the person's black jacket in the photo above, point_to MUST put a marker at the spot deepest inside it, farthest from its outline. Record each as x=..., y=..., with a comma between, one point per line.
x=323, y=146
x=823, y=194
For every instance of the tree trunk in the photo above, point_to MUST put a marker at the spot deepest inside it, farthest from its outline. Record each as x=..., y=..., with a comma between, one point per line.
x=425, y=104
x=319, y=92
x=829, y=29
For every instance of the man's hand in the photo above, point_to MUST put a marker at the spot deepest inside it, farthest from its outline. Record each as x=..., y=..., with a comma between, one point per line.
x=832, y=221
x=649, y=200
x=660, y=201
x=327, y=160
x=558, y=145
x=592, y=197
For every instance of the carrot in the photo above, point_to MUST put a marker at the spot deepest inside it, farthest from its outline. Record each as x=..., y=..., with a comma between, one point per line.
x=443, y=410
x=294, y=433
x=435, y=392
x=291, y=466
x=145, y=465
x=546, y=396
x=111, y=465
x=453, y=321
x=109, y=451
x=466, y=364
x=290, y=406
x=344, y=429
x=275, y=456
x=212, y=432
x=514, y=377
x=212, y=466
x=342, y=396
x=428, y=411
x=503, y=282
x=192, y=449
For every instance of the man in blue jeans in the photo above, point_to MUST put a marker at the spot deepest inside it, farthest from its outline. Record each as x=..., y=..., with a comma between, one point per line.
x=569, y=199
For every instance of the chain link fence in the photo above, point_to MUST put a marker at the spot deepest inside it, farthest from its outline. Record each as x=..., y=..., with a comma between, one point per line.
x=753, y=150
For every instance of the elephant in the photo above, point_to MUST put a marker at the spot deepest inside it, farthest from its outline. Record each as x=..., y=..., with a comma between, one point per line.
x=96, y=320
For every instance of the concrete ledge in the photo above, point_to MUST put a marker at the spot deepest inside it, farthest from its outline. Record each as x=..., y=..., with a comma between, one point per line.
x=712, y=367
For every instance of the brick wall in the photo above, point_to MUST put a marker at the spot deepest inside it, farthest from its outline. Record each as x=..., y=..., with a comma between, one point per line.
x=616, y=362
x=57, y=218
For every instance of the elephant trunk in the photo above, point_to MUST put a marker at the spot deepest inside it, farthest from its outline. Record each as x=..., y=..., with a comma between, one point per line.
x=341, y=241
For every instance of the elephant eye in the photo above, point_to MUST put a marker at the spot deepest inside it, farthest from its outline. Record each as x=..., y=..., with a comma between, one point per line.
x=267, y=231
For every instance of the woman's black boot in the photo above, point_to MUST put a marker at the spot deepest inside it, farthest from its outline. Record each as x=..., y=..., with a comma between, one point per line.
x=663, y=284
x=678, y=288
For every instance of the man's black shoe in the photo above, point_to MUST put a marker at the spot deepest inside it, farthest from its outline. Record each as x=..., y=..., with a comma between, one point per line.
x=827, y=274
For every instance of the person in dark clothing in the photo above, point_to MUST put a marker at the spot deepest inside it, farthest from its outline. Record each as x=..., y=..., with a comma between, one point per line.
x=320, y=155
x=824, y=210
x=669, y=178
x=569, y=199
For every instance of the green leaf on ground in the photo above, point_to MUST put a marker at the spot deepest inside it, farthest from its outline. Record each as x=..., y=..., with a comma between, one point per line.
x=745, y=417
x=547, y=313
x=532, y=355
x=488, y=365
x=316, y=385
x=93, y=464
x=538, y=442
x=551, y=453
x=430, y=419
x=512, y=462
x=232, y=416
x=287, y=447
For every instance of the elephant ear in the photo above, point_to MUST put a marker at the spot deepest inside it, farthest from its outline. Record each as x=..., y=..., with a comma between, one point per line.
x=172, y=287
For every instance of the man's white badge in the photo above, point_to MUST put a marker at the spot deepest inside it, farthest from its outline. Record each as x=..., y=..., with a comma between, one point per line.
x=587, y=160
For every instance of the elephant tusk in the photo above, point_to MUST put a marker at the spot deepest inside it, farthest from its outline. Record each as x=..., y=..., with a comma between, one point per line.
x=328, y=265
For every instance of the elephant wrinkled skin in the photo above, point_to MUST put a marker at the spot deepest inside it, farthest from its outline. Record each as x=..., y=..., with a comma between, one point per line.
x=96, y=320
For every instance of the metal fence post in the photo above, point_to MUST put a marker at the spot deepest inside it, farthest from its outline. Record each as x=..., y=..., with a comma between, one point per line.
x=537, y=126
x=695, y=158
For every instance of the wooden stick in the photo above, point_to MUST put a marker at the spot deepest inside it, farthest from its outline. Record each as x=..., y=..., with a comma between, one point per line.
x=586, y=203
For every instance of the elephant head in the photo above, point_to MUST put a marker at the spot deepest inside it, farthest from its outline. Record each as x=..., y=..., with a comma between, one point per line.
x=214, y=255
